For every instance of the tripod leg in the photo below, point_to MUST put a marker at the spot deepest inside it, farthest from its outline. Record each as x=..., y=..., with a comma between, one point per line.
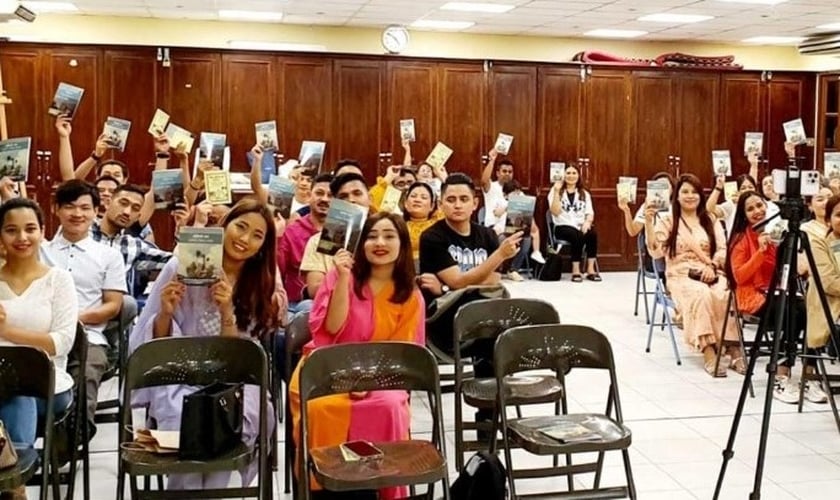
x=827, y=389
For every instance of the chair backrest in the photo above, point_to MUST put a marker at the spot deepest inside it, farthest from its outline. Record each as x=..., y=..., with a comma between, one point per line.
x=25, y=371
x=368, y=366
x=297, y=335
x=77, y=359
x=488, y=318
x=549, y=225
x=480, y=215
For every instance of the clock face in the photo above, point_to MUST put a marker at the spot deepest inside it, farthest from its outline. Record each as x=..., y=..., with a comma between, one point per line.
x=395, y=39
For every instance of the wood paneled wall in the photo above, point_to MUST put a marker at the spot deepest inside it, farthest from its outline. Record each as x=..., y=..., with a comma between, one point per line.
x=616, y=121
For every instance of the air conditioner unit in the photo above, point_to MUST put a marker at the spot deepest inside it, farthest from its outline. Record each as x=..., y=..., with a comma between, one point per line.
x=20, y=13
x=823, y=44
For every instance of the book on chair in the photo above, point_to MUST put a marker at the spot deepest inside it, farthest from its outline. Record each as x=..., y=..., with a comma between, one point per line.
x=570, y=432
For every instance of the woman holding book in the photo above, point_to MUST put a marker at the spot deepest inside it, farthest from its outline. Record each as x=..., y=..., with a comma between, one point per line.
x=369, y=297
x=817, y=227
x=420, y=213
x=694, y=249
x=634, y=224
x=572, y=213
x=235, y=305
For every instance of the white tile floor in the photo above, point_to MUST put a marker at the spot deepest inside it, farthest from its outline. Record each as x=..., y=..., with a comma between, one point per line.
x=680, y=417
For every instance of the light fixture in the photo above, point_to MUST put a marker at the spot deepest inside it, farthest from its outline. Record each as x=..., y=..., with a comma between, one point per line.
x=275, y=46
x=774, y=40
x=829, y=27
x=666, y=17
x=43, y=7
x=492, y=8
x=611, y=33
x=441, y=25
x=756, y=2
x=250, y=15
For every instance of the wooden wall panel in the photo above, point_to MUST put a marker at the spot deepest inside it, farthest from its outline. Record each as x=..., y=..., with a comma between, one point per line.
x=606, y=141
x=559, y=116
x=513, y=96
x=358, y=108
x=786, y=100
x=462, y=116
x=248, y=97
x=741, y=110
x=652, y=141
x=697, y=100
x=411, y=92
x=192, y=91
x=305, y=104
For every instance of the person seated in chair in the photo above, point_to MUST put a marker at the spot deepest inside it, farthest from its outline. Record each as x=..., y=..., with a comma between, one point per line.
x=510, y=269
x=370, y=296
x=573, y=215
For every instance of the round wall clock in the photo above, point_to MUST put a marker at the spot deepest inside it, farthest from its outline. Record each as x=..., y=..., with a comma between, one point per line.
x=395, y=38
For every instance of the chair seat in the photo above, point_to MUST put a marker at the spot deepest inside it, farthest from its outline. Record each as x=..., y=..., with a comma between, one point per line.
x=143, y=463
x=526, y=432
x=22, y=472
x=402, y=463
x=522, y=389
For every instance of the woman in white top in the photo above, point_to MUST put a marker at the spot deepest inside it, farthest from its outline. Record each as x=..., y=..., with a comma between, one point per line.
x=572, y=213
x=38, y=308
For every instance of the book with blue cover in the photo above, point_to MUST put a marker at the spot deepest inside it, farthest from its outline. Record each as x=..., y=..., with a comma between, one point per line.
x=116, y=132
x=520, y=214
x=167, y=188
x=212, y=146
x=343, y=227
x=14, y=158
x=281, y=192
x=66, y=100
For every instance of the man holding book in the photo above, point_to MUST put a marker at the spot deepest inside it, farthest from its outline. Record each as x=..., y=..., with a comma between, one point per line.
x=397, y=176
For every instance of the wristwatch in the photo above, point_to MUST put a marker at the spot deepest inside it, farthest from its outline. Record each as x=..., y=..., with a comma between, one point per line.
x=444, y=289
x=97, y=159
x=161, y=155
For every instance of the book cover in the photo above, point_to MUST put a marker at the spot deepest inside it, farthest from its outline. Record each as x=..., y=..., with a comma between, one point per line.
x=520, y=214
x=730, y=190
x=116, y=132
x=200, y=252
x=179, y=137
x=66, y=100
x=570, y=432
x=167, y=188
x=267, y=135
x=503, y=143
x=281, y=192
x=217, y=187
x=721, y=162
x=753, y=143
x=212, y=146
x=831, y=165
x=556, y=171
x=159, y=122
x=795, y=131
x=342, y=228
x=658, y=194
x=439, y=156
x=407, y=130
x=312, y=155
x=391, y=200
x=627, y=189
x=14, y=158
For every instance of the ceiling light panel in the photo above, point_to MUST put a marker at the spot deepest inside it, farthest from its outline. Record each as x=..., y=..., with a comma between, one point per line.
x=614, y=33
x=490, y=8
x=250, y=15
x=774, y=40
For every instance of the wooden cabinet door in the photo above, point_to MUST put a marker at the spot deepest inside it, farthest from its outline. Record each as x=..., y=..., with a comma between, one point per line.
x=697, y=97
x=606, y=139
x=653, y=146
x=788, y=97
x=741, y=108
x=305, y=102
x=192, y=91
x=513, y=98
x=559, y=119
x=411, y=92
x=248, y=97
x=462, y=116
x=357, y=113
x=130, y=91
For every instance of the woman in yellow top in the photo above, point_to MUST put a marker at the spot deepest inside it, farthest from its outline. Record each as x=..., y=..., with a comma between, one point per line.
x=420, y=213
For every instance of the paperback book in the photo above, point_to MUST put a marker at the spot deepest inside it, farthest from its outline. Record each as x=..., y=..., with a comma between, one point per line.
x=557, y=171
x=281, y=192
x=520, y=214
x=312, y=155
x=66, y=100
x=167, y=188
x=721, y=162
x=342, y=228
x=626, y=189
x=439, y=156
x=570, y=432
x=268, y=167
x=407, y=130
x=217, y=186
x=391, y=200
x=14, y=158
x=831, y=164
x=116, y=132
x=200, y=252
x=657, y=194
x=730, y=190
x=267, y=135
x=159, y=122
x=795, y=131
x=212, y=146
x=503, y=143
x=753, y=143
x=179, y=137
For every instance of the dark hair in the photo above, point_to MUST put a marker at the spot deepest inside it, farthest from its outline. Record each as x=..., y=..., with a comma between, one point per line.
x=70, y=191
x=403, y=274
x=456, y=179
x=511, y=186
x=740, y=224
x=346, y=162
x=829, y=207
x=504, y=162
x=420, y=185
x=665, y=175
x=118, y=163
x=309, y=173
x=328, y=178
x=746, y=177
x=256, y=283
x=16, y=203
x=106, y=178
x=408, y=171
x=580, y=189
x=130, y=188
x=706, y=221
x=339, y=182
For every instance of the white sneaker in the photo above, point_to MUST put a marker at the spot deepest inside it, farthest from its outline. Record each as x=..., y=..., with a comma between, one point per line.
x=537, y=257
x=786, y=391
x=514, y=276
x=814, y=393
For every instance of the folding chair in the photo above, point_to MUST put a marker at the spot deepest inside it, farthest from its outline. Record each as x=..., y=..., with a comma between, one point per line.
x=196, y=361
x=117, y=332
x=661, y=298
x=297, y=335
x=562, y=348
x=643, y=273
x=370, y=366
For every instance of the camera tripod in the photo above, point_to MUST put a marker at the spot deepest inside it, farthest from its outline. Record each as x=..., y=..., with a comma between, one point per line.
x=781, y=299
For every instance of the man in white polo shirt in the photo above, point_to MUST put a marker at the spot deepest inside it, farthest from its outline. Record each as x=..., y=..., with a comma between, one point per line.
x=98, y=272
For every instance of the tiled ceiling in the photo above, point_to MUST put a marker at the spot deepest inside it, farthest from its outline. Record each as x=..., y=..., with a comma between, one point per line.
x=732, y=22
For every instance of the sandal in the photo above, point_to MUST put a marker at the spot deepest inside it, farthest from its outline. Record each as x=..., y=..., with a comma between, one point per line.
x=593, y=277
x=722, y=367
x=739, y=365
x=577, y=278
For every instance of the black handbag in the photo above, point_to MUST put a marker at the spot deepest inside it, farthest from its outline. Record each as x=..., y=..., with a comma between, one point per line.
x=211, y=421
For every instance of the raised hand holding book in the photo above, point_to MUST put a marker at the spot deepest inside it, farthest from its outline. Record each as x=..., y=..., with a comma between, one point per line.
x=520, y=214
x=179, y=137
x=217, y=186
x=312, y=155
x=281, y=192
x=266, y=133
x=831, y=165
x=116, y=132
x=212, y=146
x=167, y=188
x=200, y=252
x=14, y=158
x=439, y=156
x=557, y=171
x=658, y=194
x=391, y=200
x=66, y=100
x=503, y=143
x=407, y=132
x=159, y=122
x=753, y=143
x=626, y=189
x=342, y=228
x=721, y=162
x=795, y=132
